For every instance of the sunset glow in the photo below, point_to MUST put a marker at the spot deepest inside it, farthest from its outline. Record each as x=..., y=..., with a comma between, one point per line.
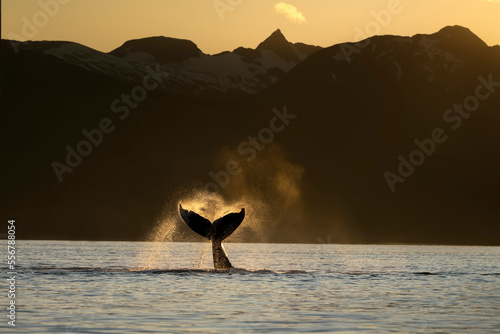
x=105, y=25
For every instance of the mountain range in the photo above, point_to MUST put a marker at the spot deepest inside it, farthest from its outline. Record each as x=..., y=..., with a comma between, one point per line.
x=190, y=71
x=343, y=167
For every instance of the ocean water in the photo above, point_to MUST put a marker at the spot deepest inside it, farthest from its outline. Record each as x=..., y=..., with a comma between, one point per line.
x=140, y=287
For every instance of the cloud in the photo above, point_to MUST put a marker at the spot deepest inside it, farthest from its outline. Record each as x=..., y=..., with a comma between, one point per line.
x=290, y=12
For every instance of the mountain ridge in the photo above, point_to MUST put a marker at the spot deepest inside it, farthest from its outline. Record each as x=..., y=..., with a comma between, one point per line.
x=356, y=110
x=163, y=49
x=238, y=72
x=191, y=72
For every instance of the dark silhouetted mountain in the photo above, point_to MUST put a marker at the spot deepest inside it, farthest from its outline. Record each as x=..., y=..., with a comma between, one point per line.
x=359, y=109
x=367, y=103
x=305, y=50
x=247, y=53
x=280, y=46
x=163, y=49
x=190, y=71
x=454, y=36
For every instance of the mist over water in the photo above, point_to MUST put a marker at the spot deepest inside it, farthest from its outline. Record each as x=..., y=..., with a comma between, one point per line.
x=211, y=206
x=268, y=187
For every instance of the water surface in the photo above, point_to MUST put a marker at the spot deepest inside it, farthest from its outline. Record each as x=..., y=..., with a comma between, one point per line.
x=132, y=287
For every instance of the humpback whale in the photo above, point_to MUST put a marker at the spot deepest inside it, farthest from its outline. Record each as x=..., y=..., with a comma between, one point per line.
x=216, y=232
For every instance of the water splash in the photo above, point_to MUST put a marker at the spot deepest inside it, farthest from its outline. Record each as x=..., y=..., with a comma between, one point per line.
x=199, y=261
x=158, y=251
x=210, y=205
x=268, y=189
x=213, y=206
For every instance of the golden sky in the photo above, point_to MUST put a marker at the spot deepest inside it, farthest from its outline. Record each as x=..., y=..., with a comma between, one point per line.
x=220, y=25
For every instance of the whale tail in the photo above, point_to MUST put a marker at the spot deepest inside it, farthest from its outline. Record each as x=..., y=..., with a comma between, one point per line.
x=216, y=232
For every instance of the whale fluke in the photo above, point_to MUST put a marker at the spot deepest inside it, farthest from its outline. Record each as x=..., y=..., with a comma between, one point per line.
x=200, y=225
x=216, y=232
x=225, y=226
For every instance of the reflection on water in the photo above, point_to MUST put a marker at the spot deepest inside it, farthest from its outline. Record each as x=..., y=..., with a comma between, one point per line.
x=103, y=287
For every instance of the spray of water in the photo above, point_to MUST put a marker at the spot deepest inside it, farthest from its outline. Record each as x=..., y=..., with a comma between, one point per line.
x=205, y=250
x=157, y=253
x=213, y=206
x=268, y=188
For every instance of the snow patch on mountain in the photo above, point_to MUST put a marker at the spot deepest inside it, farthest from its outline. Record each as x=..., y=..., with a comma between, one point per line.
x=225, y=72
x=98, y=62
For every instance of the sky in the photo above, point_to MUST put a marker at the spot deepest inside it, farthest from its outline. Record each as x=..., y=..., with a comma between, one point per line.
x=222, y=25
